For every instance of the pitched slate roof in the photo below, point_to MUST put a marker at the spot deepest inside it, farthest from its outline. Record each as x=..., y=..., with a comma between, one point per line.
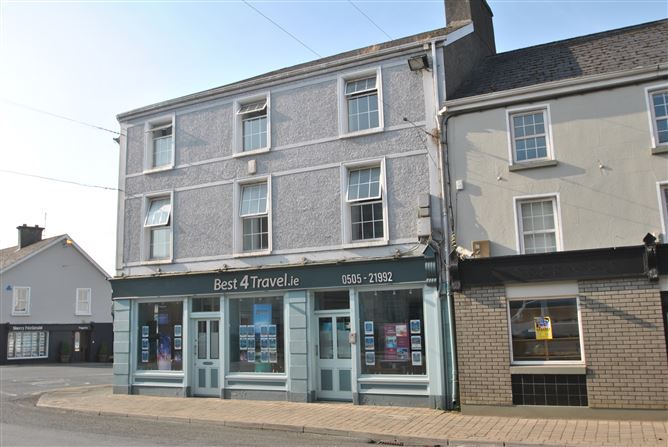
x=621, y=49
x=11, y=255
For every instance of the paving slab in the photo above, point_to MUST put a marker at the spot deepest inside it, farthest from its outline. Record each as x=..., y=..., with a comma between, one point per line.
x=408, y=426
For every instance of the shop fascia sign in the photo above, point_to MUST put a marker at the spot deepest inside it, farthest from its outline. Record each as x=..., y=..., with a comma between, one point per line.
x=26, y=327
x=256, y=282
x=384, y=272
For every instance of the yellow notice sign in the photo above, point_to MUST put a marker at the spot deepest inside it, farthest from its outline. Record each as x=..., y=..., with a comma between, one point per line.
x=543, y=326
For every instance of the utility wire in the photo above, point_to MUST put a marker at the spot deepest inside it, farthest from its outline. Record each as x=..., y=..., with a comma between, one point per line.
x=58, y=116
x=282, y=29
x=59, y=180
x=382, y=101
x=370, y=20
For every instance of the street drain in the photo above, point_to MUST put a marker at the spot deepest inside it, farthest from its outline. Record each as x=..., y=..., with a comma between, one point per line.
x=389, y=443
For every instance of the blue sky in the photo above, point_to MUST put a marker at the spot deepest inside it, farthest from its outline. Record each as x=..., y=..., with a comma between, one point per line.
x=90, y=60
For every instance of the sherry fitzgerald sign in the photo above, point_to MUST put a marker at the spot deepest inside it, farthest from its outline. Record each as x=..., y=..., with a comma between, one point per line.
x=347, y=274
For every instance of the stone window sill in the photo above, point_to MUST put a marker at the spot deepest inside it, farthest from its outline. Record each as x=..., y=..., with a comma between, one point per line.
x=548, y=369
x=663, y=149
x=532, y=165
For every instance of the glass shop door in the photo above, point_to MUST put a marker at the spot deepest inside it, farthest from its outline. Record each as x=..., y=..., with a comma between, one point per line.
x=334, y=360
x=206, y=357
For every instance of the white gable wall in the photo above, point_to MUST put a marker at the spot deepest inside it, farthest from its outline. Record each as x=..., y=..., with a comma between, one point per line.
x=53, y=276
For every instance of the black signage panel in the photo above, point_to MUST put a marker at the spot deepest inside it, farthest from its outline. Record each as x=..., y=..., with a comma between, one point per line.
x=49, y=327
x=26, y=327
x=384, y=272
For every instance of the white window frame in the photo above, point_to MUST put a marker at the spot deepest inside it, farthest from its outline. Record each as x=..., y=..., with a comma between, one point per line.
x=343, y=101
x=77, y=309
x=346, y=223
x=146, y=230
x=149, y=126
x=15, y=299
x=547, y=119
x=146, y=374
x=238, y=146
x=237, y=221
x=519, y=233
x=661, y=191
x=513, y=362
x=654, y=135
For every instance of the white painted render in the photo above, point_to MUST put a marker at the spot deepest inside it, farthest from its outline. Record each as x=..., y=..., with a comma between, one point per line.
x=53, y=275
x=605, y=177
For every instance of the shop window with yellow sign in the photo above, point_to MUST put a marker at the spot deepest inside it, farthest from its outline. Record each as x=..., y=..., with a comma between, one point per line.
x=545, y=330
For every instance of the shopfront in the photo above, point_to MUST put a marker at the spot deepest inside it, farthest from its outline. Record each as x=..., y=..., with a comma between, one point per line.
x=366, y=332
x=27, y=343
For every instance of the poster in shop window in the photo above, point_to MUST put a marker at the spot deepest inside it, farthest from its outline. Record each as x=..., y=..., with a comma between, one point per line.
x=164, y=353
x=543, y=327
x=397, y=342
x=261, y=318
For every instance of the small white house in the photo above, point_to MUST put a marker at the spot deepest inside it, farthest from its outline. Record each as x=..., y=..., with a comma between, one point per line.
x=54, y=296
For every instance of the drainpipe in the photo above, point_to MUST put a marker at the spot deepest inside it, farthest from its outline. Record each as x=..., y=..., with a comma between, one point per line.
x=447, y=215
x=451, y=384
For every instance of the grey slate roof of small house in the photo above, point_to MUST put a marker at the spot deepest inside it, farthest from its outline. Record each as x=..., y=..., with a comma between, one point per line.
x=617, y=50
x=11, y=255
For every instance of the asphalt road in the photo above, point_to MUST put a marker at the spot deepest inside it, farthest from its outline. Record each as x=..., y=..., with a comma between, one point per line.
x=24, y=424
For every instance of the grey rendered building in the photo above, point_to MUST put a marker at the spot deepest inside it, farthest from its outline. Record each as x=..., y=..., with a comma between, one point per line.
x=52, y=293
x=282, y=237
x=559, y=172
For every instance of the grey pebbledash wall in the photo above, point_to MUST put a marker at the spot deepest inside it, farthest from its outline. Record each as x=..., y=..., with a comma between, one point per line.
x=310, y=201
x=304, y=137
x=624, y=345
x=300, y=113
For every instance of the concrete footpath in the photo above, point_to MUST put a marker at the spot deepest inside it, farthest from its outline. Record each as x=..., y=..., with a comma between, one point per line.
x=408, y=426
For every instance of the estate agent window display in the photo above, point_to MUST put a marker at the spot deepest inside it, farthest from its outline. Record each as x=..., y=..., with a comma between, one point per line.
x=392, y=326
x=256, y=335
x=160, y=336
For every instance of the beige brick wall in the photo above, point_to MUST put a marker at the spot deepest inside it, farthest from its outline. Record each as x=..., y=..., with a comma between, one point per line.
x=482, y=347
x=624, y=344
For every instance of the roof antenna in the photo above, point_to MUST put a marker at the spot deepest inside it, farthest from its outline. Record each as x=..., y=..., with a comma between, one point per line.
x=44, y=224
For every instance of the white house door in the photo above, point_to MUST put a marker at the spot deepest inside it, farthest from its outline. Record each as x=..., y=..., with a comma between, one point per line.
x=334, y=360
x=206, y=358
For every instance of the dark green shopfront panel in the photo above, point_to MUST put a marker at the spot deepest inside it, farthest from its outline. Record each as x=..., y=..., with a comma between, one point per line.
x=385, y=272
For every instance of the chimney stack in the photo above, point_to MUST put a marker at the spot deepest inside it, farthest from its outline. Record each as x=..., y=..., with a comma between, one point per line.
x=29, y=235
x=476, y=11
